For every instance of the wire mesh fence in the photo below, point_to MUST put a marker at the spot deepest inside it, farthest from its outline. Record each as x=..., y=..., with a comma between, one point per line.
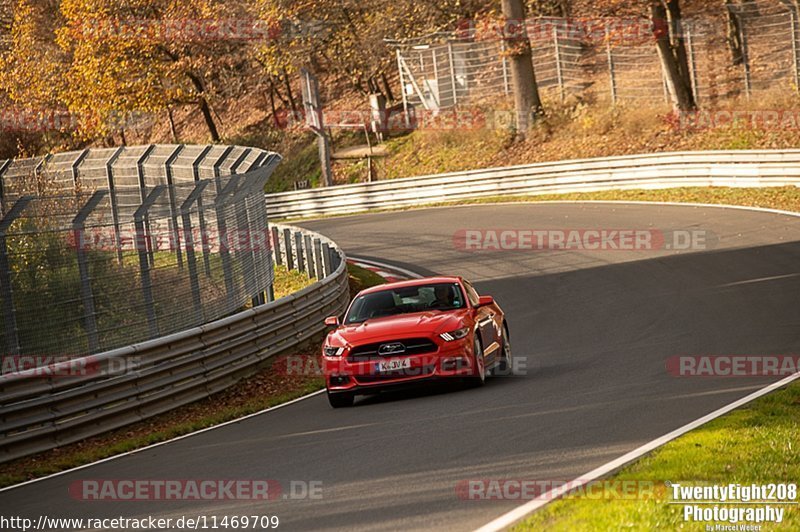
x=103, y=248
x=611, y=60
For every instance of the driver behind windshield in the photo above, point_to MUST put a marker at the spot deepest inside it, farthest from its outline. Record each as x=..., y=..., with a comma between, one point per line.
x=443, y=297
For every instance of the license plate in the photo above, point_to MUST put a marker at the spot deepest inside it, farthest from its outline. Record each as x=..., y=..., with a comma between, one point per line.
x=394, y=365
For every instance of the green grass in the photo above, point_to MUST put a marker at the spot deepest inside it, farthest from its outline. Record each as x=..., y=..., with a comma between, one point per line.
x=757, y=443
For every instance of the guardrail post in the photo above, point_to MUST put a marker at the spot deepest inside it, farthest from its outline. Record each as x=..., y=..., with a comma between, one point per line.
x=78, y=227
x=318, y=258
x=142, y=238
x=276, y=246
x=186, y=214
x=287, y=244
x=6, y=290
x=326, y=258
x=298, y=244
x=309, y=256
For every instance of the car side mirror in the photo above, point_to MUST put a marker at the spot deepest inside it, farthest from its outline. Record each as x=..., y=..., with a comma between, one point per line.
x=333, y=321
x=485, y=301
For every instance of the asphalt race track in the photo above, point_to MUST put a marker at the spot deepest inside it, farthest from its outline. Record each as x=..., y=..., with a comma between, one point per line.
x=594, y=327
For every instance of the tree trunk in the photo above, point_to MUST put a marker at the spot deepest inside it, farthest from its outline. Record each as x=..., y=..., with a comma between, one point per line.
x=527, y=103
x=734, y=35
x=289, y=92
x=172, y=129
x=204, y=107
x=673, y=56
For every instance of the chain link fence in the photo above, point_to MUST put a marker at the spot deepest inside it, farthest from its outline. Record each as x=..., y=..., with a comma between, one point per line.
x=104, y=248
x=610, y=60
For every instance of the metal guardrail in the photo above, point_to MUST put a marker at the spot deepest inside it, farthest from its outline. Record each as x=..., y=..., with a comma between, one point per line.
x=746, y=168
x=40, y=412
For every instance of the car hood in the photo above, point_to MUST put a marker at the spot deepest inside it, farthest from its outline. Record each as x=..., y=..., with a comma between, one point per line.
x=400, y=326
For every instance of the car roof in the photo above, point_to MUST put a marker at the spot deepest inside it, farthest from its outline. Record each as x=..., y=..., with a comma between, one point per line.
x=412, y=282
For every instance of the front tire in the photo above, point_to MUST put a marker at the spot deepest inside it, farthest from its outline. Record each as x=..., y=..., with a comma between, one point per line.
x=340, y=400
x=504, y=366
x=479, y=378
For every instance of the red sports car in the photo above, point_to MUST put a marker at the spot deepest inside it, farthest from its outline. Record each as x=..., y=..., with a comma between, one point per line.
x=411, y=331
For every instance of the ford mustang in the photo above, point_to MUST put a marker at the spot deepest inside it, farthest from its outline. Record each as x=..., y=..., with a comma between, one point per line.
x=412, y=331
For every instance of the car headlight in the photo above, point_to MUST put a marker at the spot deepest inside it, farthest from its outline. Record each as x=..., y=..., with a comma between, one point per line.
x=333, y=351
x=452, y=336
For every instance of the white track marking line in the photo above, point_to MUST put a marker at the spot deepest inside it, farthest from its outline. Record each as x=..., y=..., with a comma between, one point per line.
x=389, y=267
x=183, y=436
x=761, y=280
x=514, y=516
x=154, y=445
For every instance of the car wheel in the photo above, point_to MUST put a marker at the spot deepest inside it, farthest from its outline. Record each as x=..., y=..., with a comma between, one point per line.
x=504, y=367
x=480, y=364
x=340, y=400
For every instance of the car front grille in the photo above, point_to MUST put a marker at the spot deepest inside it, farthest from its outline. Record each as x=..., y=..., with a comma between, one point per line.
x=413, y=346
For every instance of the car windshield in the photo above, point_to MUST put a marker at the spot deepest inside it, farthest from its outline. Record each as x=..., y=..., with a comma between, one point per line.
x=438, y=296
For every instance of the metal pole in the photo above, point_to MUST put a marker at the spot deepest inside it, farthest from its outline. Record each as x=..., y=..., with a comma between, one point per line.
x=795, y=51
x=276, y=246
x=220, y=205
x=173, y=203
x=692, y=64
x=142, y=238
x=559, y=73
x=318, y=259
x=191, y=261
x=505, y=66
x=610, y=55
x=75, y=166
x=6, y=289
x=143, y=195
x=453, y=71
x=403, y=88
x=87, y=296
x=114, y=204
x=201, y=212
x=745, y=59
x=3, y=167
x=309, y=256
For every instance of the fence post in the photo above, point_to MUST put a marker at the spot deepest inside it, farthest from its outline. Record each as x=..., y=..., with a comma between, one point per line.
x=143, y=196
x=559, y=73
x=74, y=167
x=173, y=202
x=505, y=66
x=191, y=261
x=3, y=167
x=114, y=204
x=6, y=290
x=795, y=52
x=223, y=196
x=451, y=57
x=201, y=211
x=745, y=59
x=87, y=297
x=692, y=65
x=142, y=239
x=611, y=73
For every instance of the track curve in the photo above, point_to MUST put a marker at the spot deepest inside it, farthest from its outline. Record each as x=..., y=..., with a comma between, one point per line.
x=595, y=327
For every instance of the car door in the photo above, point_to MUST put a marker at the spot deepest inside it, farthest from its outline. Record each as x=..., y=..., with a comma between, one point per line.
x=485, y=318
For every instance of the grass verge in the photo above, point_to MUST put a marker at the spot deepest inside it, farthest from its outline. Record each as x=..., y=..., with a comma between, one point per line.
x=755, y=444
x=271, y=386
